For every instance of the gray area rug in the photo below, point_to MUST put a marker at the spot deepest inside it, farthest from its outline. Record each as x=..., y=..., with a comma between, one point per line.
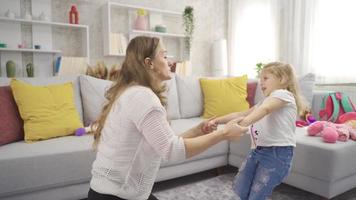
x=220, y=188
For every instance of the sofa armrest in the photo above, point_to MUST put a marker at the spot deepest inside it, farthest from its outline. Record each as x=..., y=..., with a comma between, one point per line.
x=317, y=99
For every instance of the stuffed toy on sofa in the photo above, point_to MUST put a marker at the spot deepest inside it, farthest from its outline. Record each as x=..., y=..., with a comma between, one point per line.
x=331, y=132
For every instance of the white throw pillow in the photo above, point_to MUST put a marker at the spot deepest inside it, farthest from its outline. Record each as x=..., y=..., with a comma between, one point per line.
x=172, y=98
x=190, y=96
x=93, y=96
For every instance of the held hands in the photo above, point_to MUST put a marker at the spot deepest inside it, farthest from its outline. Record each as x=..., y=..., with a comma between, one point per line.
x=209, y=125
x=233, y=131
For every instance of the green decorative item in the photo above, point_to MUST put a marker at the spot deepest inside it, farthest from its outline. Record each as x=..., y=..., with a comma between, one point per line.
x=10, y=69
x=258, y=68
x=160, y=28
x=188, y=22
x=30, y=70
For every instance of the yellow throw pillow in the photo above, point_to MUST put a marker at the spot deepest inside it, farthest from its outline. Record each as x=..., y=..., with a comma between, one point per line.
x=223, y=96
x=47, y=111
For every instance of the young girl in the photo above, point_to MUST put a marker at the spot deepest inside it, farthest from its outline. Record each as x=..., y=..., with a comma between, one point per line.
x=272, y=132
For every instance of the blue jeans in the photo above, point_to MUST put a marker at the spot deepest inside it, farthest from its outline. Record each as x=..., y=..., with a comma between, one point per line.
x=263, y=169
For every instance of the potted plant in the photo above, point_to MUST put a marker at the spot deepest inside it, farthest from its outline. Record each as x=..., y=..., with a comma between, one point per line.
x=188, y=22
x=258, y=68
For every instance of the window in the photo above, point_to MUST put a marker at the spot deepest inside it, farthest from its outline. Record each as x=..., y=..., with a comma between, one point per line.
x=334, y=41
x=253, y=35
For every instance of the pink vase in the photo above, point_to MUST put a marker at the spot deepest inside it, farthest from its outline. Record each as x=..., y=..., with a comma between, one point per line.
x=140, y=23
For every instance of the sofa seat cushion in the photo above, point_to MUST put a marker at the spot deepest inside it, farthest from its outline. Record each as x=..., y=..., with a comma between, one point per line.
x=313, y=157
x=46, y=164
x=323, y=161
x=180, y=126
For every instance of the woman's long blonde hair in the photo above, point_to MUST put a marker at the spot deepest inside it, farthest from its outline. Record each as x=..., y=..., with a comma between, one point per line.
x=133, y=71
x=286, y=71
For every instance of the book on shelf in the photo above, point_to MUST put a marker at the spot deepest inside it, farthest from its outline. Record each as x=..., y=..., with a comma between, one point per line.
x=118, y=43
x=71, y=66
x=183, y=68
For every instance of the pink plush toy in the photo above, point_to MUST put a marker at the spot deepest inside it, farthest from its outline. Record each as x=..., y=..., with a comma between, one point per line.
x=331, y=132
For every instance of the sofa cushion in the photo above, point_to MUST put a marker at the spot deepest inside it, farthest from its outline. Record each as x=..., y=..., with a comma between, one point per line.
x=172, y=98
x=47, y=111
x=45, y=164
x=93, y=96
x=306, y=85
x=190, y=96
x=180, y=126
x=42, y=81
x=223, y=96
x=11, y=124
x=323, y=161
x=251, y=91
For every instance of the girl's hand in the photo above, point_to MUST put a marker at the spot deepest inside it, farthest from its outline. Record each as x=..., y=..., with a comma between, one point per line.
x=233, y=131
x=209, y=125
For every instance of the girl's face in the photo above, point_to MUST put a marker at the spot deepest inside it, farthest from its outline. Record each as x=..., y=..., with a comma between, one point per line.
x=161, y=66
x=269, y=83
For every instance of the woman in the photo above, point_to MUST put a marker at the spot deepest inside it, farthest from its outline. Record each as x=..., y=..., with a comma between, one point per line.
x=133, y=135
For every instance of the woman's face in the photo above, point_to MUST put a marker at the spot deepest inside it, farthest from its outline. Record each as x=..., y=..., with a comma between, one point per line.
x=161, y=66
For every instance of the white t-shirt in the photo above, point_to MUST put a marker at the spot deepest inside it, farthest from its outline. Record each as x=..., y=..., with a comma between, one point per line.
x=134, y=140
x=278, y=127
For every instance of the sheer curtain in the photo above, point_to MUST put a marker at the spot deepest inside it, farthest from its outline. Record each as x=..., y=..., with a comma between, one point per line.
x=334, y=41
x=297, y=17
x=252, y=34
x=316, y=36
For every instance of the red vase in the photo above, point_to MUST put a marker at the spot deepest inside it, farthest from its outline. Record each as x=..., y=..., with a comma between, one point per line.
x=73, y=15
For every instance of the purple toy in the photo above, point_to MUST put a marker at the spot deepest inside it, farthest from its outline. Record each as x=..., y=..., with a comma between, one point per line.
x=310, y=118
x=80, y=132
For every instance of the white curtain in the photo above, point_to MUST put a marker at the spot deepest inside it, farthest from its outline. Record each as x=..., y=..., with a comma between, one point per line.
x=297, y=18
x=252, y=35
x=334, y=41
x=316, y=36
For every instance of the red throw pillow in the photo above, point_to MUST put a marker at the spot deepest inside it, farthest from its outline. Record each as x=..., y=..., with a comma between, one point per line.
x=251, y=91
x=11, y=124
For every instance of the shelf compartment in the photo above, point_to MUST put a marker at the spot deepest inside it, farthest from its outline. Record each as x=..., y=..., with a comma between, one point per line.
x=49, y=23
x=153, y=33
x=134, y=7
x=30, y=50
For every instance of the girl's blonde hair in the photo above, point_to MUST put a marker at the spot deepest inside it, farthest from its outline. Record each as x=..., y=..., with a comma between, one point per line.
x=286, y=71
x=134, y=71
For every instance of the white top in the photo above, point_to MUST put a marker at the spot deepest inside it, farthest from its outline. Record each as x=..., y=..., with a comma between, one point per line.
x=278, y=127
x=135, y=138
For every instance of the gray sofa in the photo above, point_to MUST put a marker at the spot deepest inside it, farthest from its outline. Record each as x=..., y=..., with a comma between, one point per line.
x=59, y=168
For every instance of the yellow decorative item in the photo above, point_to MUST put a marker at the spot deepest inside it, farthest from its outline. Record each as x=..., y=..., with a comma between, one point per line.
x=47, y=111
x=223, y=96
x=141, y=12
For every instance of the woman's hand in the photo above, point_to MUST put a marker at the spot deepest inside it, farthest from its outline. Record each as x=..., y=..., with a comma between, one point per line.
x=209, y=125
x=233, y=131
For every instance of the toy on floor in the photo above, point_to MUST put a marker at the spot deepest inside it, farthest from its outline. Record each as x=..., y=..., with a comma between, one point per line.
x=331, y=132
x=83, y=130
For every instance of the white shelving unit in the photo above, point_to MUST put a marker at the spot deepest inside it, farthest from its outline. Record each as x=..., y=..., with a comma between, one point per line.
x=119, y=18
x=11, y=34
